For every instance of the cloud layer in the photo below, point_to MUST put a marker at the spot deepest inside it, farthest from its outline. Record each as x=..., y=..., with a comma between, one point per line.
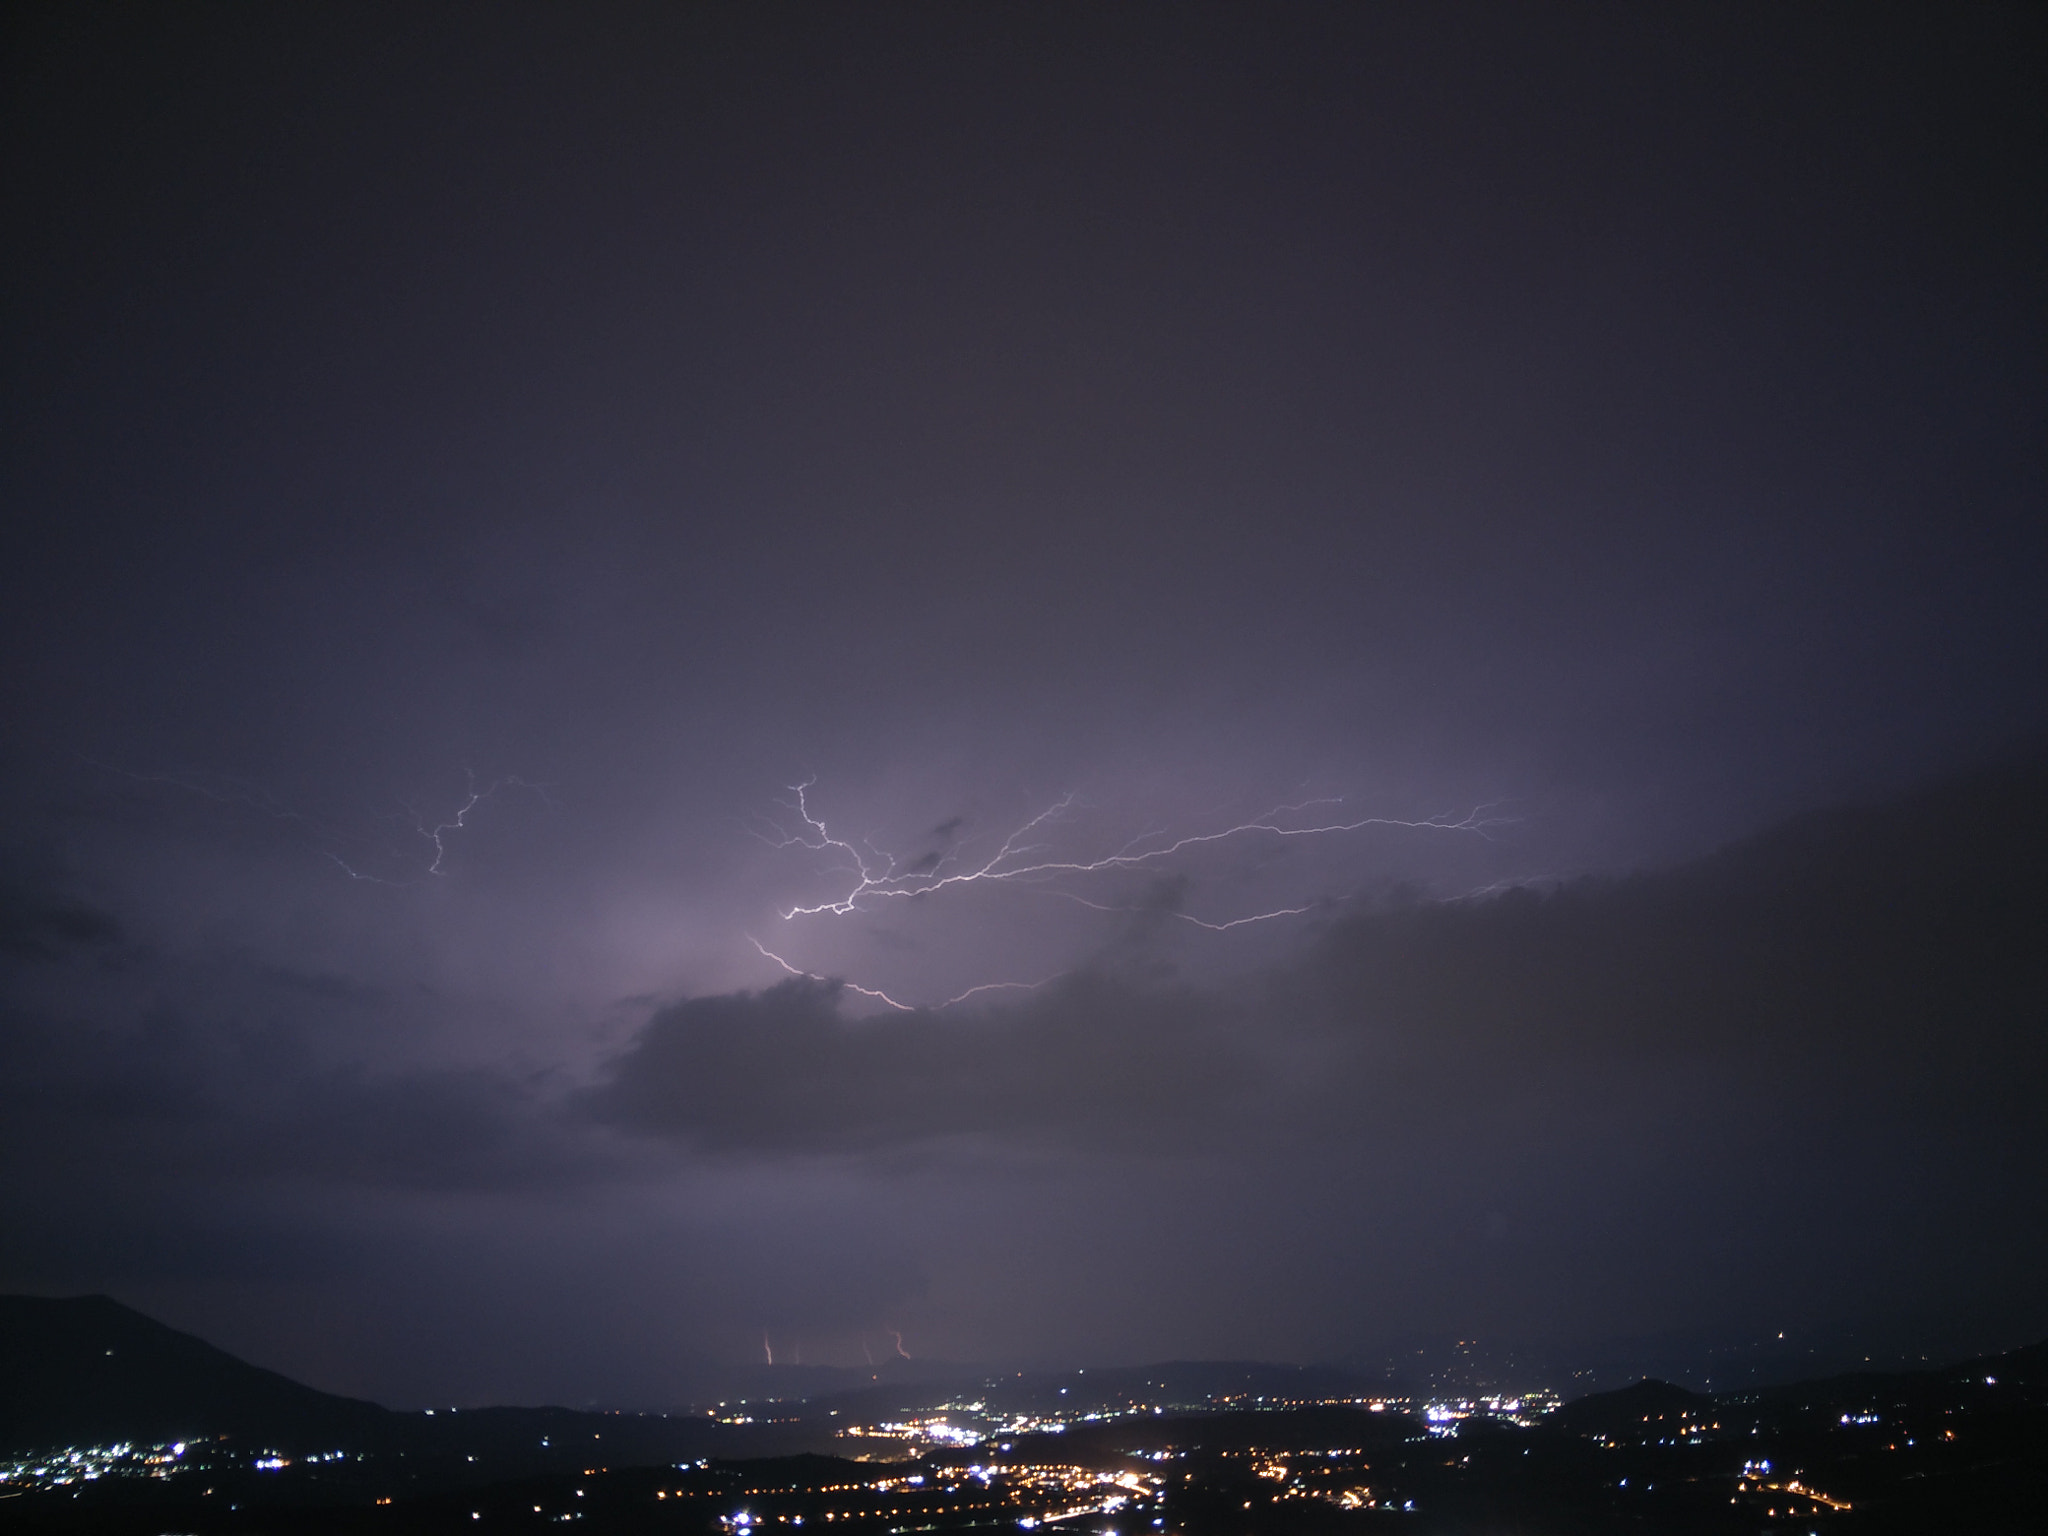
x=1802, y=1073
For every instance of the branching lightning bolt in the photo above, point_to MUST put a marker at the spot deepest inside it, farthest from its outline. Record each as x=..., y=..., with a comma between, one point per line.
x=875, y=875
x=1025, y=859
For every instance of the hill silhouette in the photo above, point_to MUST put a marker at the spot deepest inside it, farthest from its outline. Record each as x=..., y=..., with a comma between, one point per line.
x=85, y=1369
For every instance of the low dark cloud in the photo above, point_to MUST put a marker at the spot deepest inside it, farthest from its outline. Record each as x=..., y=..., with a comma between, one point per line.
x=177, y=1101
x=1091, y=1060
x=125, y=1064
x=39, y=920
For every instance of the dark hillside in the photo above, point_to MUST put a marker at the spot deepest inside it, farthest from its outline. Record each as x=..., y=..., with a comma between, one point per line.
x=1647, y=1411
x=87, y=1370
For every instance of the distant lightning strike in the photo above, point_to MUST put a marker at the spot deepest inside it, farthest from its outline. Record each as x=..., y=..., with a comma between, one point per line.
x=435, y=834
x=356, y=874
x=223, y=791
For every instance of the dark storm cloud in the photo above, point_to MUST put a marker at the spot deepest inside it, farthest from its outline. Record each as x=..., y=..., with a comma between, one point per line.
x=1093, y=1061
x=171, y=1104
x=40, y=920
x=161, y=1235
x=224, y=1071
x=1875, y=964
x=1848, y=938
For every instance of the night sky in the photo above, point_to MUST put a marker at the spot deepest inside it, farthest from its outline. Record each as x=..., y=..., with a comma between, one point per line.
x=1061, y=684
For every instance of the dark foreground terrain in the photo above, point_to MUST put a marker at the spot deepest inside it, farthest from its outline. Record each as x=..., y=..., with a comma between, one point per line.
x=94, y=1397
